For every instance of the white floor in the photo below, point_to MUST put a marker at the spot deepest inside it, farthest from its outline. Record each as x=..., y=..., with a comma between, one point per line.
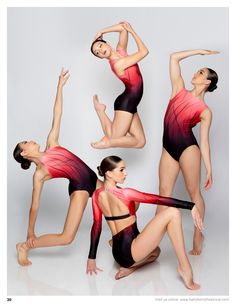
x=61, y=270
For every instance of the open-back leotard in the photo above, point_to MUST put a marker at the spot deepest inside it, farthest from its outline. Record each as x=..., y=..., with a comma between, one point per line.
x=121, y=246
x=133, y=81
x=182, y=114
x=61, y=163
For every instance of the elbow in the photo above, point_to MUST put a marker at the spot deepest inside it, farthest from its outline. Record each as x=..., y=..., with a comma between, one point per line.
x=145, y=52
x=174, y=56
x=205, y=147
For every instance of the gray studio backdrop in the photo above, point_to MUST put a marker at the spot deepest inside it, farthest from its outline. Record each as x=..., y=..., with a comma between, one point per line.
x=42, y=40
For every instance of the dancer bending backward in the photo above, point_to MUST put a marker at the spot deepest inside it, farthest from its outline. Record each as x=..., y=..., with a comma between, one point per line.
x=126, y=129
x=180, y=148
x=132, y=249
x=55, y=162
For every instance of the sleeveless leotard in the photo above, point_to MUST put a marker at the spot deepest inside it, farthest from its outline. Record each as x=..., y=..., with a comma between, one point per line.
x=133, y=81
x=121, y=247
x=61, y=163
x=182, y=114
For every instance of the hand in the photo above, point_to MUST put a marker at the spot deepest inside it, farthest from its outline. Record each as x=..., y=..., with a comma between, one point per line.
x=208, y=181
x=208, y=52
x=91, y=266
x=127, y=26
x=98, y=35
x=64, y=75
x=197, y=218
x=30, y=240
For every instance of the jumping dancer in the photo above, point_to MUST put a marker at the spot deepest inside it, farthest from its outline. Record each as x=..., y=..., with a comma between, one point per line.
x=126, y=129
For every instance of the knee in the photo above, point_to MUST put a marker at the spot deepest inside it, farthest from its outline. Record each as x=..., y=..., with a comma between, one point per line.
x=164, y=190
x=175, y=213
x=67, y=239
x=194, y=192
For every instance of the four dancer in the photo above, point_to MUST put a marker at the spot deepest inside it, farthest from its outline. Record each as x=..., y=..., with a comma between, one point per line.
x=180, y=152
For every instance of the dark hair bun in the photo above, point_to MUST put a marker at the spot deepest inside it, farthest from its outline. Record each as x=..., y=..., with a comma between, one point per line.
x=213, y=77
x=100, y=173
x=25, y=164
x=212, y=89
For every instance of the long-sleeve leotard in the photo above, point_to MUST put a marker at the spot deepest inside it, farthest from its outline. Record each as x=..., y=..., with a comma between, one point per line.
x=128, y=196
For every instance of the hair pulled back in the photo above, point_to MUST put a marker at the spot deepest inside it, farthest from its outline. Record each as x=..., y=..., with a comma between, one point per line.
x=213, y=77
x=108, y=164
x=25, y=164
x=96, y=40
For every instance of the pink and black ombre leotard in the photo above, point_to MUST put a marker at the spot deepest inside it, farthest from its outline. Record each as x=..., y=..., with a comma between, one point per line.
x=121, y=246
x=61, y=163
x=182, y=114
x=133, y=81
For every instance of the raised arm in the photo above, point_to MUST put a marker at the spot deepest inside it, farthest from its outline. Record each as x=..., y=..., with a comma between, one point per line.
x=132, y=59
x=176, y=78
x=37, y=189
x=95, y=235
x=123, y=37
x=52, y=139
x=206, y=118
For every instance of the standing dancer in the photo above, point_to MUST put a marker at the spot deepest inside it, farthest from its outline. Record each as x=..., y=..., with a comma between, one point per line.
x=180, y=148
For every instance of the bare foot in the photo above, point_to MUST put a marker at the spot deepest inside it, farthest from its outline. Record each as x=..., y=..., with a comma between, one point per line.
x=187, y=277
x=103, y=143
x=123, y=272
x=97, y=105
x=197, y=245
x=22, y=254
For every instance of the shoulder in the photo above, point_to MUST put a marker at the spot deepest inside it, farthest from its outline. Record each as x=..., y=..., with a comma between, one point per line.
x=38, y=176
x=99, y=192
x=206, y=113
x=51, y=146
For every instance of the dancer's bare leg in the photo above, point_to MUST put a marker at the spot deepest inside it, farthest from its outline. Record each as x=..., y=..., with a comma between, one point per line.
x=127, y=131
x=168, y=173
x=78, y=201
x=106, y=123
x=123, y=272
x=190, y=163
x=150, y=237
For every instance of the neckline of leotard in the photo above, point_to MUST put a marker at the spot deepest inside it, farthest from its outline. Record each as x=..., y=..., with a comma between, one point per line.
x=184, y=89
x=115, y=59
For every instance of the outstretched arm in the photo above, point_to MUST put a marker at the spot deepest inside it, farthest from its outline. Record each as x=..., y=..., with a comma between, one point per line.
x=206, y=118
x=123, y=38
x=177, y=81
x=130, y=60
x=134, y=195
x=52, y=139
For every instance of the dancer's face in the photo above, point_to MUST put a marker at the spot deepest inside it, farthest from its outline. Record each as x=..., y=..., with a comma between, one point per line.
x=28, y=147
x=119, y=173
x=200, y=77
x=101, y=49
